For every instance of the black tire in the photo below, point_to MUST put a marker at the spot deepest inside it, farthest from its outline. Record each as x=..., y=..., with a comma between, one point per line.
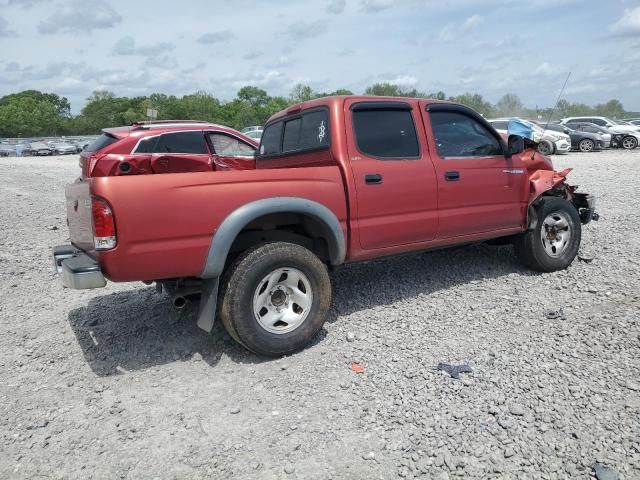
x=529, y=247
x=545, y=147
x=243, y=281
x=629, y=142
x=586, y=145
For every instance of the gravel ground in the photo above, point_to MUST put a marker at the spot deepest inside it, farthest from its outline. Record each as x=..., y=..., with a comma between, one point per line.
x=112, y=383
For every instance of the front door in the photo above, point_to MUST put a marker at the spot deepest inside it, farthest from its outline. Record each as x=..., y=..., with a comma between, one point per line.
x=231, y=153
x=394, y=178
x=480, y=190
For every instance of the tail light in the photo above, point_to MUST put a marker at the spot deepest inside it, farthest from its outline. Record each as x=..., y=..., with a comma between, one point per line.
x=104, y=226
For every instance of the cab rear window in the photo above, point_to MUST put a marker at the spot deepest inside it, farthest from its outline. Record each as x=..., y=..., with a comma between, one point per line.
x=103, y=141
x=300, y=133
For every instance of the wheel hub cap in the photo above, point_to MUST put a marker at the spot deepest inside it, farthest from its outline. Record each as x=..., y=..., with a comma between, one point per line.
x=555, y=234
x=282, y=300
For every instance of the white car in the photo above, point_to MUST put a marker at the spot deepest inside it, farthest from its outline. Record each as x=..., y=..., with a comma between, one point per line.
x=255, y=134
x=549, y=142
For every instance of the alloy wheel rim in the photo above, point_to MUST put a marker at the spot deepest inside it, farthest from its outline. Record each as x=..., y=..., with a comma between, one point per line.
x=282, y=300
x=555, y=234
x=586, y=145
x=628, y=143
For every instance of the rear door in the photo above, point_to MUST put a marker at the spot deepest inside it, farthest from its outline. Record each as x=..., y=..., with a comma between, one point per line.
x=395, y=181
x=176, y=152
x=479, y=189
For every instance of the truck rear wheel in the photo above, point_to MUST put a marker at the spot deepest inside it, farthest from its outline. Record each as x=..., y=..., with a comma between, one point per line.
x=275, y=298
x=554, y=242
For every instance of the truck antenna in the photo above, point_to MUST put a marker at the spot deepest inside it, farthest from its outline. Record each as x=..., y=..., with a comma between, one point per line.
x=553, y=110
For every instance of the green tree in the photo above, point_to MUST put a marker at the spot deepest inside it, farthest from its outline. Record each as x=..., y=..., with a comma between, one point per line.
x=440, y=95
x=509, y=105
x=476, y=102
x=301, y=93
x=387, y=89
x=32, y=113
x=613, y=108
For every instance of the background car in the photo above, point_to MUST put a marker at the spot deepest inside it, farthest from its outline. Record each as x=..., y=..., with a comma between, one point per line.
x=7, y=150
x=38, y=148
x=253, y=128
x=618, y=139
x=64, y=148
x=581, y=141
x=255, y=134
x=549, y=142
x=613, y=125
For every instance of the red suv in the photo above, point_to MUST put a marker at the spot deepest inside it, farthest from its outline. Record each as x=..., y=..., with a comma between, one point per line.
x=167, y=146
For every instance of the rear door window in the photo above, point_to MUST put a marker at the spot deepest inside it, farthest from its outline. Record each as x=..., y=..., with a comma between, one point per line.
x=270, y=141
x=147, y=145
x=291, y=138
x=182, y=142
x=385, y=133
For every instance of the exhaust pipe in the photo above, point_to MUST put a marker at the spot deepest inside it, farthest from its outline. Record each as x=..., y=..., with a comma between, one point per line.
x=179, y=302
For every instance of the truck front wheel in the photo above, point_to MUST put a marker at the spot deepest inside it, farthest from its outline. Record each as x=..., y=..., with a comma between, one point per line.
x=554, y=241
x=275, y=298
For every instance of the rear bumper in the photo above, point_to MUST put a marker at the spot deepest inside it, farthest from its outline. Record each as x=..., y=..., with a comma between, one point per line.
x=77, y=269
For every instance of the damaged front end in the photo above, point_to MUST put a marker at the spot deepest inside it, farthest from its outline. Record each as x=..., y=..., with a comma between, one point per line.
x=545, y=181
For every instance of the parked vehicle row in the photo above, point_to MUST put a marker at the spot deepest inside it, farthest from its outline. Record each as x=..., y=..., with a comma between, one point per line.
x=623, y=135
x=584, y=134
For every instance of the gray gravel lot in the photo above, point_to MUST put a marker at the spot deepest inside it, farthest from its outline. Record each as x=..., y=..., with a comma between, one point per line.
x=111, y=383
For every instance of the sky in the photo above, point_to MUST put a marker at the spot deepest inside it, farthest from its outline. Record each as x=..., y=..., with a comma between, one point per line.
x=491, y=47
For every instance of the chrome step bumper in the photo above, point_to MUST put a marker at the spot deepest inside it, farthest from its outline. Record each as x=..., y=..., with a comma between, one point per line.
x=77, y=269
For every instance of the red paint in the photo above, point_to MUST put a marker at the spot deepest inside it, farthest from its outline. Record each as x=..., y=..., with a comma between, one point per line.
x=165, y=222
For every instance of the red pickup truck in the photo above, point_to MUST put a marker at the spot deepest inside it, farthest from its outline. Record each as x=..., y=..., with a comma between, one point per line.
x=334, y=180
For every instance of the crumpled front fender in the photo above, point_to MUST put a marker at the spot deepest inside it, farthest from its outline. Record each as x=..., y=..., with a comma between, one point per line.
x=544, y=180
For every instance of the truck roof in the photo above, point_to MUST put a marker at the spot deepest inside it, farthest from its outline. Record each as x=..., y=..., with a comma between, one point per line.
x=338, y=101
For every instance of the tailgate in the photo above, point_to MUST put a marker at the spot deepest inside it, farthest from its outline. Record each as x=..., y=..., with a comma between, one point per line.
x=78, y=198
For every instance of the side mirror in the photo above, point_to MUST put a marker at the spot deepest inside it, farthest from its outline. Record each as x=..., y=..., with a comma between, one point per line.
x=515, y=145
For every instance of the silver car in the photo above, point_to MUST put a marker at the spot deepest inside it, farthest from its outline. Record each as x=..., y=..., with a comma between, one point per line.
x=64, y=148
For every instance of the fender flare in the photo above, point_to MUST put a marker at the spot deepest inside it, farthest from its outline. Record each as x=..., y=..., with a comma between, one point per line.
x=233, y=224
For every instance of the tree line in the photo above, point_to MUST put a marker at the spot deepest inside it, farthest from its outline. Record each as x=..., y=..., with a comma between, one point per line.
x=32, y=113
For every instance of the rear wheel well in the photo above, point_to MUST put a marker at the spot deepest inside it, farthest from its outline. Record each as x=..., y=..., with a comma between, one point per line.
x=304, y=230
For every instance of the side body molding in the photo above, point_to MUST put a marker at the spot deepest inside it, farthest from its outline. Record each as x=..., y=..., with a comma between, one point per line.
x=238, y=219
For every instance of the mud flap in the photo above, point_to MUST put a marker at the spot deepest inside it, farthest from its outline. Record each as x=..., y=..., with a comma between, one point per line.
x=208, y=304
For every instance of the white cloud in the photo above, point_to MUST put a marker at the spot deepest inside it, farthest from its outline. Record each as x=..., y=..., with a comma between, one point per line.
x=473, y=22
x=628, y=25
x=374, y=6
x=216, y=37
x=4, y=29
x=403, y=81
x=76, y=16
x=336, y=6
x=303, y=30
x=446, y=34
x=127, y=46
x=545, y=69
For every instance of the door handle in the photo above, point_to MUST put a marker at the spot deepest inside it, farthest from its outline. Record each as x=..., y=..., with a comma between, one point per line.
x=373, y=179
x=452, y=176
